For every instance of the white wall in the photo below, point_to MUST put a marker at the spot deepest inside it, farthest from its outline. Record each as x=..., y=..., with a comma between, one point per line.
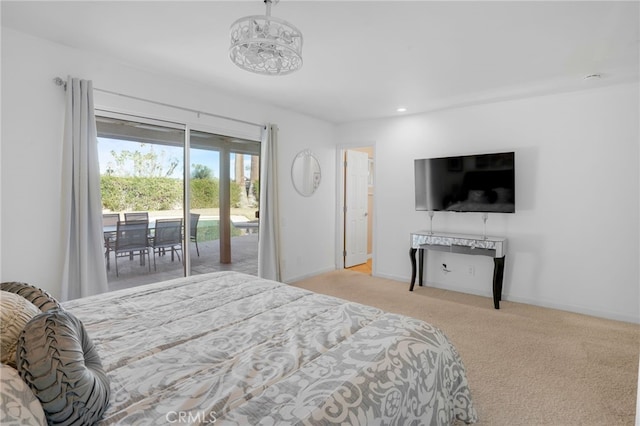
x=576, y=152
x=573, y=242
x=32, y=128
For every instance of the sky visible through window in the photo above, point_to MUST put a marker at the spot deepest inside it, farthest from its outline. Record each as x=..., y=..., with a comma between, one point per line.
x=165, y=157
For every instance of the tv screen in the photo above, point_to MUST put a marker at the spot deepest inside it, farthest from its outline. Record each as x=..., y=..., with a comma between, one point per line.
x=468, y=183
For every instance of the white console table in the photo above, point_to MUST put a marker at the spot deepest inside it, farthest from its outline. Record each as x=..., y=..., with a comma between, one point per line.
x=494, y=247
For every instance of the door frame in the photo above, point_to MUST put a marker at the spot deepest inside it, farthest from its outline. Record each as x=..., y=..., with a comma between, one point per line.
x=340, y=193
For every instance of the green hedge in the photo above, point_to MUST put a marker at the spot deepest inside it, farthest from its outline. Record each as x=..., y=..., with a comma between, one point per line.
x=204, y=193
x=236, y=190
x=159, y=193
x=139, y=193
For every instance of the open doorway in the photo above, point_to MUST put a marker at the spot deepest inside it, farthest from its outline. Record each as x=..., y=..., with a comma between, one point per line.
x=357, y=208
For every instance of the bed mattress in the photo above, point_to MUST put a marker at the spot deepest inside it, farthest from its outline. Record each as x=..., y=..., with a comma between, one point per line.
x=234, y=349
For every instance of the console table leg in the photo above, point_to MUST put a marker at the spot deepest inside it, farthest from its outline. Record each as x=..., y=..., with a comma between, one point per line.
x=498, y=274
x=420, y=266
x=412, y=256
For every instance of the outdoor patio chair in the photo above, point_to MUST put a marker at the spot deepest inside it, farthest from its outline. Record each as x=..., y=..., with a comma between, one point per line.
x=193, y=234
x=109, y=223
x=168, y=236
x=132, y=237
x=136, y=216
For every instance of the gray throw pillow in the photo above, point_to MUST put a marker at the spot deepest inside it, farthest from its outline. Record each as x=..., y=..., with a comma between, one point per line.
x=43, y=300
x=59, y=362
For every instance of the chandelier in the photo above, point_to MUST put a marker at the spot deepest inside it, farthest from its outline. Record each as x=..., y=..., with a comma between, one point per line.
x=266, y=45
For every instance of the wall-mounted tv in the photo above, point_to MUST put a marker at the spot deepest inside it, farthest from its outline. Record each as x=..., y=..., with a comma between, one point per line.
x=468, y=183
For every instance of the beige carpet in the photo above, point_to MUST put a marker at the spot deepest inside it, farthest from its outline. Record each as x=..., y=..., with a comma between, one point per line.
x=526, y=365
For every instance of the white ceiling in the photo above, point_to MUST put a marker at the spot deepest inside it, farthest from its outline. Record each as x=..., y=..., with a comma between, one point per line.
x=362, y=59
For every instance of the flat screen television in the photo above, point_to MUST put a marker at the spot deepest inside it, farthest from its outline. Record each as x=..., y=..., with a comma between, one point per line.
x=468, y=183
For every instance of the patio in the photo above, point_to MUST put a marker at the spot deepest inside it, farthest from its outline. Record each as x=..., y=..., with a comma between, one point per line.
x=244, y=258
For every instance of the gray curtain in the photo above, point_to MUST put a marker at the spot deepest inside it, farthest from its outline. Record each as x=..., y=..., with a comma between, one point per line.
x=269, y=239
x=84, y=268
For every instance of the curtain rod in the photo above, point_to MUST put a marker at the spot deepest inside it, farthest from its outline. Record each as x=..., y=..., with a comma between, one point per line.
x=60, y=82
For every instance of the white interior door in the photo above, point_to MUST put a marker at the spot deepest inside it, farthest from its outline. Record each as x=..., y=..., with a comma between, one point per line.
x=356, y=208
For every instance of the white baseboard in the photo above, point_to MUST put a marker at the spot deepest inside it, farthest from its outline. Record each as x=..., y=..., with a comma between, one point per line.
x=394, y=278
x=541, y=303
x=293, y=279
x=573, y=308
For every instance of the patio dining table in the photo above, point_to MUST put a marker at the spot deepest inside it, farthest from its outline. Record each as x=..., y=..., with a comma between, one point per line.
x=111, y=229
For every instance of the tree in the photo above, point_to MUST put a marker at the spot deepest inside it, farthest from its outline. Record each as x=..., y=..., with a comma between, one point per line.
x=200, y=171
x=143, y=164
x=239, y=172
x=255, y=168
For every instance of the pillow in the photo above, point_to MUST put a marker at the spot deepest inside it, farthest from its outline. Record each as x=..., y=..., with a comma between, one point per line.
x=59, y=362
x=15, y=313
x=477, y=196
x=17, y=402
x=43, y=300
x=504, y=195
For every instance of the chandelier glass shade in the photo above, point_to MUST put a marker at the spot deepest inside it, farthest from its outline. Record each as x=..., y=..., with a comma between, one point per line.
x=266, y=45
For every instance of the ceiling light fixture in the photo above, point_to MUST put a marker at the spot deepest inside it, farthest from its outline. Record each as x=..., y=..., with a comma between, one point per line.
x=401, y=109
x=266, y=45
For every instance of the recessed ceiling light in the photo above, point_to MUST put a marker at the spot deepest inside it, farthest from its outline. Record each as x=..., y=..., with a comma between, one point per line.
x=401, y=109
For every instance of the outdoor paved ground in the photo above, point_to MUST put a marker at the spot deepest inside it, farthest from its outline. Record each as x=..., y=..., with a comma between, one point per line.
x=244, y=258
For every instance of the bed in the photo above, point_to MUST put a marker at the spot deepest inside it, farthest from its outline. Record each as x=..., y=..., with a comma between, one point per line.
x=234, y=349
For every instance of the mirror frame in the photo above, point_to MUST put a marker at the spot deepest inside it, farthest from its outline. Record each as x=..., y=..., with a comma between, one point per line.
x=315, y=178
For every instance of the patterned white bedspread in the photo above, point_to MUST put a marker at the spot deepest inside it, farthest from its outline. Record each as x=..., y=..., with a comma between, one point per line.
x=234, y=349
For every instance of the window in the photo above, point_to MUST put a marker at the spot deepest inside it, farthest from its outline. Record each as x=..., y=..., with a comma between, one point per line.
x=142, y=166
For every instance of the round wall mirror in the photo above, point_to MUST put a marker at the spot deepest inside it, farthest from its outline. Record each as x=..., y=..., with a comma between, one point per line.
x=305, y=173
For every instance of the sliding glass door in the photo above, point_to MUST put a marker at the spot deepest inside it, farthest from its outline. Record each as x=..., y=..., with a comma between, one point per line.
x=142, y=179
x=244, y=184
x=223, y=199
x=150, y=169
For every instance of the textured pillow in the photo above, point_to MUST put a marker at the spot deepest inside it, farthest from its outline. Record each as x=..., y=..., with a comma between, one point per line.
x=59, y=362
x=15, y=313
x=477, y=196
x=43, y=300
x=504, y=195
x=18, y=404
